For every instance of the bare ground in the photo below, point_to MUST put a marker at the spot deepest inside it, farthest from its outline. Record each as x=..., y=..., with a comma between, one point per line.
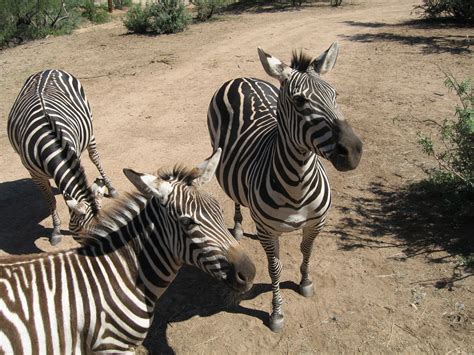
x=387, y=280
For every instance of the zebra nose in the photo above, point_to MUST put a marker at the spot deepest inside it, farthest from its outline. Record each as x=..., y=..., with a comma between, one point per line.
x=243, y=271
x=243, y=277
x=341, y=151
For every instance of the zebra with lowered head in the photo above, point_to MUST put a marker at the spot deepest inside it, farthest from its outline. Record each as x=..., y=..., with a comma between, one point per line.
x=49, y=126
x=101, y=296
x=271, y=141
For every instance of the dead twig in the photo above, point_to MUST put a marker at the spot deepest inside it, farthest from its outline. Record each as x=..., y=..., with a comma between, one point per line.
x=390, y=337
x=108, y=75
x=388, y=275
x=409, y=331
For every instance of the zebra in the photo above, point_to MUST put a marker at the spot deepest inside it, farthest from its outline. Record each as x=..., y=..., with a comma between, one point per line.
x=271, y=141
x=49, y=126
x=101, y=296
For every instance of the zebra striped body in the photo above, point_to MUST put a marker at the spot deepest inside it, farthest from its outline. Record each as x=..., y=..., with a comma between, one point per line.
x=272, y=140
x=280, y=200
x=101, y=297
x=49, y=126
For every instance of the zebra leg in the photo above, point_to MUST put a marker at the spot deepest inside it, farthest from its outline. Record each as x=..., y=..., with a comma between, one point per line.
x=45, y=187
x=238, y=232
x=271, y=244
x=94, y=156
x=306, y=247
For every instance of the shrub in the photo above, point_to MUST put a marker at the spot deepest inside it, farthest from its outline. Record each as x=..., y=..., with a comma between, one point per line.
x=31, y=19
x=120, y=4
x=94, y=13
x=453, y=147
x=459, y=9
x=335, y=2
x=206, y=8
x=166, y=16
x=136, y=20
x=169, y=16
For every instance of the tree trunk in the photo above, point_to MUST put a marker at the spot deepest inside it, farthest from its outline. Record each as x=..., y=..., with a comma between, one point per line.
x=109, y=3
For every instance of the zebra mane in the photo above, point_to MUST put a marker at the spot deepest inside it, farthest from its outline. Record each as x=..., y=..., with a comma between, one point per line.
x=126, y=208
x=180, y=173
x=300, y=61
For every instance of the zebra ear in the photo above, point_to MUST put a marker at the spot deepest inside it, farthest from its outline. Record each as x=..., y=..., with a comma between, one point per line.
x=274, y=66
x=149, y=185
x=326, y=61
x=208, y=168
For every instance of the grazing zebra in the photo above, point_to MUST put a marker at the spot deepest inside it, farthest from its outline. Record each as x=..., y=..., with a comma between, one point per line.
x=49, y=126
x=271, y=140
x=101, y=296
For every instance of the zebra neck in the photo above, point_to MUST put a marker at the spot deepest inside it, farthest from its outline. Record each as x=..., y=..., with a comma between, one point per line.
x=292, y=170
x=68, y=174
x=138, y=236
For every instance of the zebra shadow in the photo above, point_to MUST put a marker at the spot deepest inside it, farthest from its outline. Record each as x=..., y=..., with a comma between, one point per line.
x=194, y=293
x=22, y=208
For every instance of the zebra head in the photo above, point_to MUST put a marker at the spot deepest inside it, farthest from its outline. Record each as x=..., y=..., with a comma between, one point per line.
x=307, y=109
x=81, y=211
x=196, y=229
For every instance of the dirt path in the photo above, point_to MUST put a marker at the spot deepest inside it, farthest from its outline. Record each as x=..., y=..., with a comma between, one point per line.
x=378, y=289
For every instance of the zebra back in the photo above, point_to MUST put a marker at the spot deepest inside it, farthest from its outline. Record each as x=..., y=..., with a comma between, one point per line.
x=49, y=126
x=101, y=296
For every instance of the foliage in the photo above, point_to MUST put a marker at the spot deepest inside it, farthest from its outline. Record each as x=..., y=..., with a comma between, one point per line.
x=206, y=8
x=335, y=2
x=120, y=4
x=94, y=13
x=169, y=16
x=136, y=19
x=165, y=16
x=467, y=261
x=449, y=188
x=32, y=19
x=454, y=150
x=459, y=9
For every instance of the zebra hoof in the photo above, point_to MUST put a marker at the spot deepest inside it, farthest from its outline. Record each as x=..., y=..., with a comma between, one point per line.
x=276, y=322
x=307, y=289
x=55, y=239
x=113, y=192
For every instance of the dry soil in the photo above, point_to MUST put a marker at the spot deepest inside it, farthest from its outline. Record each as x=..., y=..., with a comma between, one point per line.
x=382, y=284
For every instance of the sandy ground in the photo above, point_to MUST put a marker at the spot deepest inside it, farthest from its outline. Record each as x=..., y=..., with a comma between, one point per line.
x=381, y=284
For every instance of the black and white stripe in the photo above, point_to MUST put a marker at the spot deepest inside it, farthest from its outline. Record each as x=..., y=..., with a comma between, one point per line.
x=49, y=126
x=271, y=140
x=101, y=297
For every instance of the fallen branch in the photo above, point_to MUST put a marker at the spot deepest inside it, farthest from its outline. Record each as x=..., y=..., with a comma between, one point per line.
x=105, y=75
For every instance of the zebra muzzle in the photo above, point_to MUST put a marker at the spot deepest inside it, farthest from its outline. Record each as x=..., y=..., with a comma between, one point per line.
x=348, y=151
x=242, y=270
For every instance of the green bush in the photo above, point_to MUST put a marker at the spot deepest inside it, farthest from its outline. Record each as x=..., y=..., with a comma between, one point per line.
x=136, y=20
x=459, y=9
x=120, y=4
x=453, y=144
x=94, y=13
x=31, y=19
x=206, y=8
x=166, y=16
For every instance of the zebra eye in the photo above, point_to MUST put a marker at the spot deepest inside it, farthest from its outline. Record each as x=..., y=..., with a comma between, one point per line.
x=187, y=222
x=299, y=100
